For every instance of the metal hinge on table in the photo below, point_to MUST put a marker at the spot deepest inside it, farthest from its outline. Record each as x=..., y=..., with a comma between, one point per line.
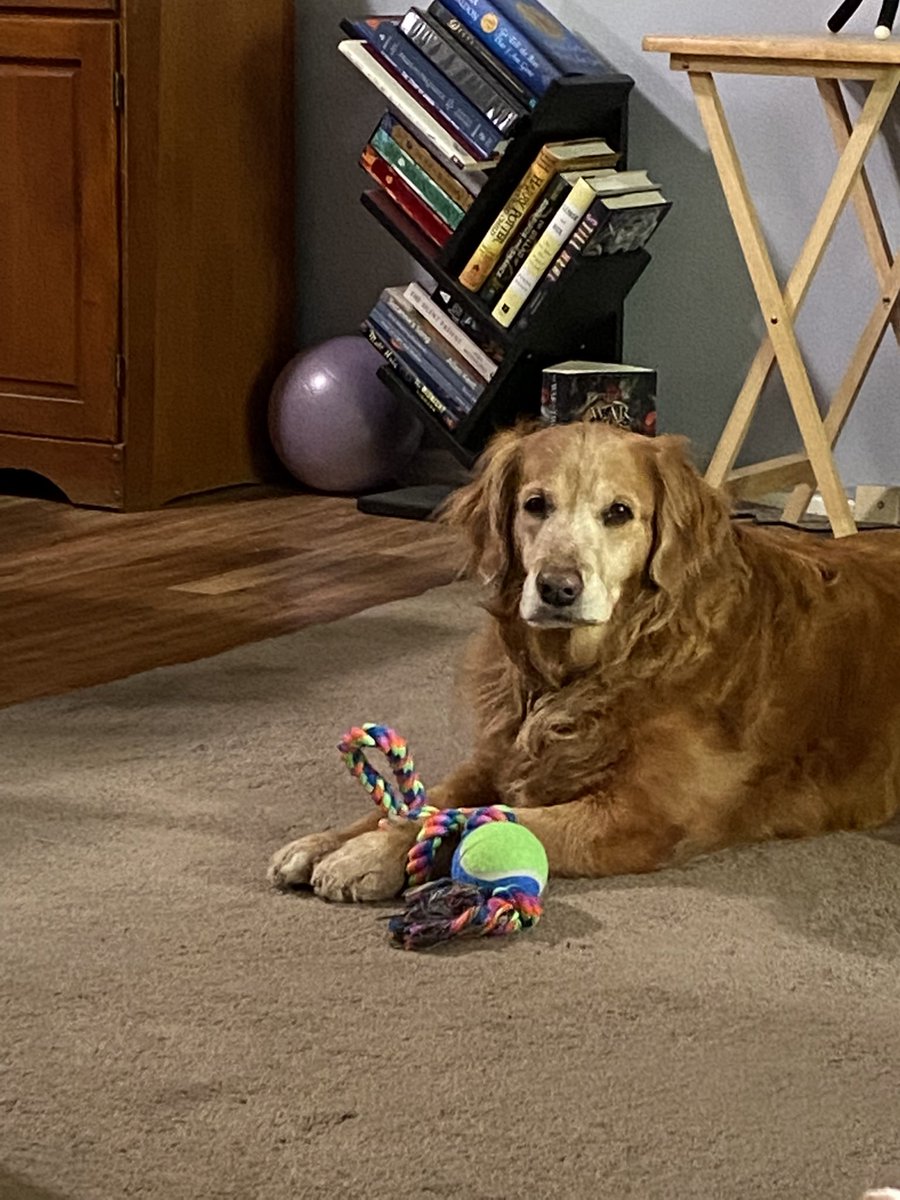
x=118, y=90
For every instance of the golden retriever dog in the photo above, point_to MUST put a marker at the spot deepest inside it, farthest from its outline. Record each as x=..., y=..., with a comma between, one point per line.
x=656, y=680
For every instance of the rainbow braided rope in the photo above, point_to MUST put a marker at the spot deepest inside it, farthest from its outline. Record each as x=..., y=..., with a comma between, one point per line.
x=442, y=909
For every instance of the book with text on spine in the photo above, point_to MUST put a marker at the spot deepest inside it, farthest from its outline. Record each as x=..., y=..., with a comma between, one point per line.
x=483, y=55
x=434, y=349
x=404, y=197
x=417, y=177
x=565, y=48
x=406, y=104
x=448, y=328
x=453, y=60
x=611, y=223
x=506, y=40
x=434, y=375
x=439, y=171
x=617, y=393
x=554, y=157
x=444, y=99
x=380, y=339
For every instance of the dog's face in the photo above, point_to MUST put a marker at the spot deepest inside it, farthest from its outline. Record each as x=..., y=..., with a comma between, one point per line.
x=583, y=524
x=573, y=518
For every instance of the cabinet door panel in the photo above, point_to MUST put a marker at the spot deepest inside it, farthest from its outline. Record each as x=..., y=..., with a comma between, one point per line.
x=59, y=253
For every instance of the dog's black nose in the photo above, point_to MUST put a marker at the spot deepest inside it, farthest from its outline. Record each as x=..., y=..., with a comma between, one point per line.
x=559, y=588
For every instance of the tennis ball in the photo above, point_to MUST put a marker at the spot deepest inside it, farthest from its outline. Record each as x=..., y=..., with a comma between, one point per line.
x=501, y=854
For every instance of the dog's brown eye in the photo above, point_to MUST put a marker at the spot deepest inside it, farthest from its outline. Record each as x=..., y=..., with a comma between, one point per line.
x=536, y=506
x=617, y=514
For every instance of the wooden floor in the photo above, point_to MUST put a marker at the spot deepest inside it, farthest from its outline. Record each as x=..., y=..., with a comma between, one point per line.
x=87, y=597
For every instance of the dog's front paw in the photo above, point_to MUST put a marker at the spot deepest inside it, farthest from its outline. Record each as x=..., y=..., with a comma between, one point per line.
x=292, y=866
x=370, y=867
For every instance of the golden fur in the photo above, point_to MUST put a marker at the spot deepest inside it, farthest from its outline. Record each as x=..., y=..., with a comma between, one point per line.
x=715, y=682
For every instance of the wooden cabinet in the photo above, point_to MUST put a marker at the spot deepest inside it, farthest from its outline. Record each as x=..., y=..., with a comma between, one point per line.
x=146, y=264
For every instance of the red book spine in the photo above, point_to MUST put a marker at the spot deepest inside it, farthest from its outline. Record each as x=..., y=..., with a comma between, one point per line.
x=404, y=197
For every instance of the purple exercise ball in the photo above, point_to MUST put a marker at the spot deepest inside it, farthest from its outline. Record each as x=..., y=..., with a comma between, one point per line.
x=334, y=424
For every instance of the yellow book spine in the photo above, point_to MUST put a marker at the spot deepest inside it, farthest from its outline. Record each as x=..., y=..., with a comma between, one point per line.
x=544, y=252
x=482, y=262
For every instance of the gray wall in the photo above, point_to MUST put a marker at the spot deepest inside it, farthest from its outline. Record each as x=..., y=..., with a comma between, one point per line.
x=693, y=314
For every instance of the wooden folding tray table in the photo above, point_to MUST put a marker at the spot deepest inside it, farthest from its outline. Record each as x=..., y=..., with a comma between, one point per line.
x=827, y=60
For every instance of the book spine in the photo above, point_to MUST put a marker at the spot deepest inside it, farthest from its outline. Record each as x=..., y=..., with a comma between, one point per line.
x=545, y=250
x=483, y=56
x=506, y=41
x=437, y=45
x=440, y=380
x=440, y=357
x=400, y=98
x=420, y=154
x=410, y=352
x=483, y=336
x=516, y=210
x=424, y=305
x=418, y=180
x=437, y=91
x=523, y=242
x=380, y=340
x=564, y=263
x=567, y=51
x=404, y=197
x=548, y=399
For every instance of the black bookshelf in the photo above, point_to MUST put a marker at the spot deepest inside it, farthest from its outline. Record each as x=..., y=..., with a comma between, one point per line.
x=583, y=319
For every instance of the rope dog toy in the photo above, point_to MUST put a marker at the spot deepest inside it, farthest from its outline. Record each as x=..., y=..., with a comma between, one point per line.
x=499, y=868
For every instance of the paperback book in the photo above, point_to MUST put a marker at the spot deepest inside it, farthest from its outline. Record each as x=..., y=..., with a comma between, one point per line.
x=553, y=158
x=435, y=349
x=382, y=342
x=617, y=393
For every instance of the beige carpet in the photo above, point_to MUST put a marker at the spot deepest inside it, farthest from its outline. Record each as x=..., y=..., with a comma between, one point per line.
x=173, y=1030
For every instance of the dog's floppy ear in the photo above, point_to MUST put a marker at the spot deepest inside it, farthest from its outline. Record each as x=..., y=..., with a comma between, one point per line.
x=691, y=522
x=485, y=508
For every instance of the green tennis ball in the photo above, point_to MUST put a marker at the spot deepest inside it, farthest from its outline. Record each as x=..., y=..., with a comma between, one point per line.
x=501, y=854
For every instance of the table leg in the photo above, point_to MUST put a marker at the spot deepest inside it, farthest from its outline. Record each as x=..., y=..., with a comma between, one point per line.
x=845, y=179
x=772, y=303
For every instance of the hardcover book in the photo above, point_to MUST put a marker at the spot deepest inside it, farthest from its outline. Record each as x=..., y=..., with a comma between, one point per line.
x=406, y=104
x=404, y=197
x=552, y=158
x=398, y=338
x=566, y=49
x=423, y=360
x=453, y=61
x=461, y=186
x=617, y=393
x=506, y=40
x=610, y=197
x=433, y=88
x=482, y=54
x=417, y=177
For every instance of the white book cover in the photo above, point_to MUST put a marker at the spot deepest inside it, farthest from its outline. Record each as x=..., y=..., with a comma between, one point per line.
x=445, y=325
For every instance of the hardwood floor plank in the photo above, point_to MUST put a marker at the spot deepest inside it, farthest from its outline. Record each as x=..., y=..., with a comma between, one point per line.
x=87, y=597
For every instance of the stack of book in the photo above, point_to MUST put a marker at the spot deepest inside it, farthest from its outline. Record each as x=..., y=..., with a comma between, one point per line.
x=461, y=79
x=570, y=203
